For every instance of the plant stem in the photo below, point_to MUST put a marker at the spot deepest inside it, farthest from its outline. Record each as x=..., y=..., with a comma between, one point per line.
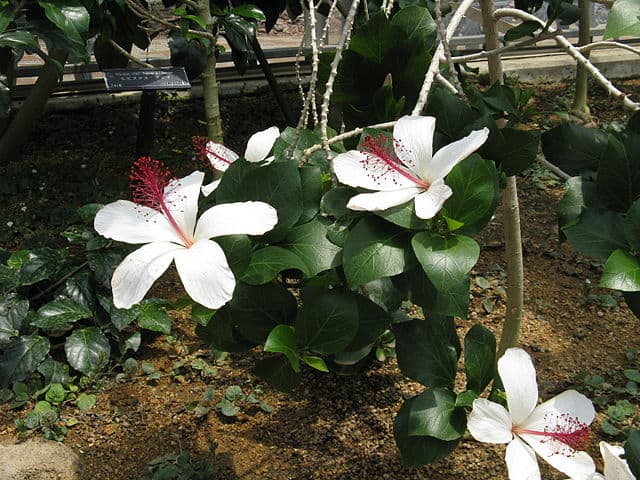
x=510, y=209
x=580, y=107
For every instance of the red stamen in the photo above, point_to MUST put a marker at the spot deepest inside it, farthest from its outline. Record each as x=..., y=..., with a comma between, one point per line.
x=149, y=180
x=572, y=434
x=202, y=150
x=376, y=150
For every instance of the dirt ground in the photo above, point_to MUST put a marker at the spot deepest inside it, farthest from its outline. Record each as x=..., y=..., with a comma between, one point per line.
x=331, y=426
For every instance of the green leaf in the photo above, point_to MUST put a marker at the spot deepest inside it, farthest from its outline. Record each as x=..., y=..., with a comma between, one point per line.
x=632, y=374
x=120, y=317
x=311, y=183
x=404, y=216
x=87, y=350
x=265, y=264
x=20, y=40
x=517, y=151
x=418, y=450
x=315, y=362
x=619, y=173
x=374, y=39
x=72, y=20
x=384, y=293
x=255, y=310
x=466, y=398
x=372, y=322
x=55, y=394
x=334, y=202
x=580, y=194
x=102, y=264
x=153, y=316
x=237, y=249
x=327, y=322
x=201, y=314
x=59, y=313
x=22, y=357
x=525, y=29
x=417, y=24
x=374, y=249
x=13, y=311
x=428, y=350
x=37, y=264
x=479, y=357
x=596, y=232
x=632, y=452
x=278, y=185
x=434, y=414
x=623, y=21
x=88, y=211
x=445, y=260
x=574, y=148
x=621, y=272
x=277, y=372
x=86, y=401
x=248, y=11
x=475, y=193
x=310, y=243
x=631, y=226
x=282, y=339
x=54, y=371
x=228, y=409
x=453, y=301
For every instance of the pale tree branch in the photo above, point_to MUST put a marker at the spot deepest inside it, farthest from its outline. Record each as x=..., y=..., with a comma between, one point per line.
x=123, y=52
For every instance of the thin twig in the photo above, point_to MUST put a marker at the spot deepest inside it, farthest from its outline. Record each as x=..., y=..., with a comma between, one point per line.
x=55, y=285
x=345, y=135
x=123, y=52
x=607, y=44
x=508, y=48
x=547, y=164
x=455, y=81
x=447, y=84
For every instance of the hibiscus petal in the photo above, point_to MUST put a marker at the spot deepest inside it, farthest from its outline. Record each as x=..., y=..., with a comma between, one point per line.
x=181, y=198
x=220, y=156
x=250, y=218
x=450, y=155
x=489, y=422
x=567, y=404
x=210, y=187
x=521, y=461
x=128, y=222
x=381, y=200
x=578, y=465
x=519, y=379
x=205, y=274
x=614, y=466
x=429, y=203
x=133, y=278
x=414, y=139
x=367, y=171
x=260, y=144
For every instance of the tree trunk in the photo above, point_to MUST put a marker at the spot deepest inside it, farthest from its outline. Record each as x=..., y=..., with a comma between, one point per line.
x=510, y=209
x=580, y=107
x=209, y=80
x=32, y=108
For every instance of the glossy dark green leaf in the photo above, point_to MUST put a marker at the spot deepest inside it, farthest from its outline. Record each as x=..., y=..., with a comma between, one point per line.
x=334, y=202
x=619, y=173
x=19, y=39
x=453, y=114
x=282, y=339
x=418, y=450
x=72, y=20
x=191, y=54
x=327, y=322
x=58, y=313
x=433, y=413
x=120, y=317
x=446, y=260
x=384, y=293
x=374, y=249
x=87, y=350
x=372, y=322
x=54, y=371
x=248, y=10
x=517, y=151
x=201, y=314
x=103, y=264
x=22, y=357
x=265, y=264
x=36, y=265
x=428, y=350
x=404, y=216
x=237, y=250
x=220, y=334
x=596, y=232
x=417, y=24
x=256, y=310
x=374, y=39
x=621, y=272
x=525, y=29
x=310, y=243
x=632, y=226
x=152, y=315
x=632, y=452
x=453, y=300
x=13, y=311
x=580, y=193
x=574, y=148
x=277, y=371
x=311, y=182
x=475, y=193
x=479, y=357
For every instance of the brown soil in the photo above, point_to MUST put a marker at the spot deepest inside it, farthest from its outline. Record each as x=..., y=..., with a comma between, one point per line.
x=339, y=427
